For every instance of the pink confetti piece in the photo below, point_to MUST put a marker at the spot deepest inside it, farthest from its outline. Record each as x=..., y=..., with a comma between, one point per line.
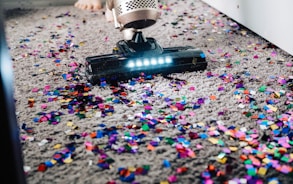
x=35, y=90
x=191, y=113
x=192, y=88
x=289, y=64
x=172, y=179
x=47, y=88
x=44, y=106
x=198, y=146
x=274, y=54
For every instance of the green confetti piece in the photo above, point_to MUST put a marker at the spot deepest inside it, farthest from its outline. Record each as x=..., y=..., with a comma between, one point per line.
x=285, y=159
x=80, y=115
x=147, y=111
x=170, y=141
x=145, y=127
x=127, y=134
x=58, y=118
x=110, y=160
x=277, y=155
x=168, y=117
x=248, y=114
x=146, y=167
x=138, y=102
x=251, y=172
x=248, y=161
x=161, y=111
x=271, y=146
x=127, y=147
x=221, y=142
x=109, y=99
x=237, y=62
x=262, y=89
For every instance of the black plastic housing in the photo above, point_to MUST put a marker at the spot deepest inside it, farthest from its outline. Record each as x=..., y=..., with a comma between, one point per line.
x=113, y=67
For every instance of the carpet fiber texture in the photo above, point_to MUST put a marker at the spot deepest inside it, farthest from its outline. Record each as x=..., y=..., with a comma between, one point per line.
x=231, y=122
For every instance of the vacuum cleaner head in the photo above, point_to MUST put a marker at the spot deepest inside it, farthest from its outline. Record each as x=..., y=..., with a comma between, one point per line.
x=136, y=54
x=145, y=56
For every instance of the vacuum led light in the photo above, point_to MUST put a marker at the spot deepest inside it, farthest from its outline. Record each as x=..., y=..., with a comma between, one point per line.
x=147, y=62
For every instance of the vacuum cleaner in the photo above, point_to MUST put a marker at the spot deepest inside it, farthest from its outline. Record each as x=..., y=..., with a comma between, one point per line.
x=137, y=55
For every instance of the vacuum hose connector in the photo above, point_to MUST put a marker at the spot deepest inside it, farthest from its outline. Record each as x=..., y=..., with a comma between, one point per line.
x=133, y=14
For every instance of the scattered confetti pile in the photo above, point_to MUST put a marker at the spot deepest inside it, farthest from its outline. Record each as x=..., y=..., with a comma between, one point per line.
x=229, y=124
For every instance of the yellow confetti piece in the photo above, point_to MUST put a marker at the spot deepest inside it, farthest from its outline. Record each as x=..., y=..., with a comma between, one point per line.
x=262, y=171
x=57, y=146
x=177, y=99
x=266, y=160
x=248, y=148
x=232, y=148
x=67, y=160
x=81, y=43
x=164, y=182
x=69, y=123
x=277, y=95
x=270, y=151
x=68, y=100
x=201, y=124
x=273, y=182
x=213, y=140
x=238, y=97
x=222, y=160
x=85, y=94
x=131, y=169
x=53, y=161
x=62, y=101
x=272, y=108
x=274, y=127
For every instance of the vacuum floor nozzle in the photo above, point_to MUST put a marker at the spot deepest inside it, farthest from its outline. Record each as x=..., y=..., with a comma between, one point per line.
x=132, y=58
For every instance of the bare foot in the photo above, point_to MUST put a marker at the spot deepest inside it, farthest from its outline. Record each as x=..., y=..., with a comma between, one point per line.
x=89, y=4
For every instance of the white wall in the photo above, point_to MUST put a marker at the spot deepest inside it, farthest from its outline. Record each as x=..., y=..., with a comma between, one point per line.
x=271, y=19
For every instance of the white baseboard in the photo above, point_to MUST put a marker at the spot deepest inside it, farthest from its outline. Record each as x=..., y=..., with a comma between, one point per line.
x=271, y=19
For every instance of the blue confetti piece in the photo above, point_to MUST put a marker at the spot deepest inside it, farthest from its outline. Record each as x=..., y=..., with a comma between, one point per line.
x=202, y=55
x=36, y=120
x=276, y=132
x=285, y=130
x=236, y=92
x=64, y=76
x=203, y=136
x=166, y=163
x=261, y=116
x=99, y=134
x=57, y=60
x=49, y=164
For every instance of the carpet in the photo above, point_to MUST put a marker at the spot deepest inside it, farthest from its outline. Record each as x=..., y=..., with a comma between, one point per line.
x=231, y=123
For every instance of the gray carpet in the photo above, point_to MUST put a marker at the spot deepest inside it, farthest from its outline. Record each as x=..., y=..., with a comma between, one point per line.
x=231, y=122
